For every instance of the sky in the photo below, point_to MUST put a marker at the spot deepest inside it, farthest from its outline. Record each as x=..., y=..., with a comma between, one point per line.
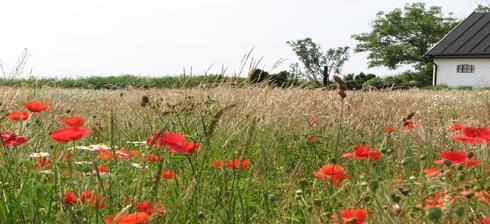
x=68, y=38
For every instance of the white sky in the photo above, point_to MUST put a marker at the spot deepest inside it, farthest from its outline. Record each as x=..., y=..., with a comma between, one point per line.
x=161, y=37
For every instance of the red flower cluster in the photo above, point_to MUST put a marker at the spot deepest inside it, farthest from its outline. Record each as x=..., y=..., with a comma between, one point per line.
x=86, y=196
x=43, y=163
x=105, y=154
x=438, y=199
x=150, y=208
x=10, y=139
x=174, y=142
x=233, y=164
x=352, y=216
x=473, y=136
x=389, y=129
x=457, y=157
x=333, y=172
x=364, y=153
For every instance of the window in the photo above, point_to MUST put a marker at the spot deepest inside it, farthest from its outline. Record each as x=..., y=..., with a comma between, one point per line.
x=466, y=68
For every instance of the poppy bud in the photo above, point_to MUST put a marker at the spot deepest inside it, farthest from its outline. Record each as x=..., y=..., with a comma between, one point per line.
x=446, y=162
x=364, y=184
x=469, y=194
x=404, y=162
x=459, y=211
x=434, y=213
x=366, y=198
x=333, y=160
x=470, y=155
x=422, y=157
x=412, y=178
x=459, y=167
x=374, y=185
x=395, y=198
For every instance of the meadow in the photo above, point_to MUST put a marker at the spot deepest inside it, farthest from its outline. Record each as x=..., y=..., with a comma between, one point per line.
x=250, y=155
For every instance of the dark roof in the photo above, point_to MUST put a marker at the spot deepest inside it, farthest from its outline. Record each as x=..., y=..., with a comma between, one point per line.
x=470, y=38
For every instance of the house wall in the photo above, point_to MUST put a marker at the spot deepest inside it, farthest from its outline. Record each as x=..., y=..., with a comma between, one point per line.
x=447, y=72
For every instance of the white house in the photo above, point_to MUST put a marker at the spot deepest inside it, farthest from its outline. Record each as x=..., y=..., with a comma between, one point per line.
x=462, y=57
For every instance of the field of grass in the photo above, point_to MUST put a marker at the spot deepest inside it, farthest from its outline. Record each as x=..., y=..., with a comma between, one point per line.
x=287, y=135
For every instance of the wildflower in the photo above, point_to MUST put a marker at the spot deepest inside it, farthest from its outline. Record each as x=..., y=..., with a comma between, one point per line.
x=150, y=208
x=105, y=154
x=175, y=143
x=438, y=200
x=389, y=129
x=11, y=139
x=69, y=134
x=169, y=175
x=125, y=218
x=73, y=121
x=43, y=162
x=409, y=125
x=237, y=163
x=352, y=216
x=218, y=164
x=456, y=127
x=19, y=116
x=312, y=121
x=364, y=153
x=152, y=158
x=455, y=157
x=93, y=199
x=137, y=165
x=314, y=139
x=333, y=172
x=485, y=221
x=103, y=169
x=432, y=172
x=474, y=136
x=36, y=107
x=70, y=198
x=39, y=155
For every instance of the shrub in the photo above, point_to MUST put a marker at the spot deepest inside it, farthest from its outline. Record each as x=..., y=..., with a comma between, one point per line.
x=258, y=75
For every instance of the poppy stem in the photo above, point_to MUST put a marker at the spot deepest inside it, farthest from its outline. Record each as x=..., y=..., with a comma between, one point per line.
x=339, y=130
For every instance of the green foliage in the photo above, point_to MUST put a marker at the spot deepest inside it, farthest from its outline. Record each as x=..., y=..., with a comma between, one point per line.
x=316, y=62
x=118, y=82
x=403, y=36
x=258, y=76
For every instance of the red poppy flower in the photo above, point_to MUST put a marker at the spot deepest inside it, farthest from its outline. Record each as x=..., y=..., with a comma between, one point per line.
x=237, y=163
x=364, y=153
x=73, y=121
x=333, y=172
x=389, y=129
x=169, y=174
x=19, y=116
x=485, y=221
x=11, y=139
x=103, y=169
x=69, y=134
x=456, y=157
x=352, y=216
x=314, y=139
x=218, y=164
x=86, y=195
x=432, y=172
x=70, y=198
x=474, y=136
x=175, y=143
x=125, y=218
x=36, y=107
x=456, y=127
x=43, y=163
x=409, y=125
x=313, y=121
x=150, y=208
x=152, y=158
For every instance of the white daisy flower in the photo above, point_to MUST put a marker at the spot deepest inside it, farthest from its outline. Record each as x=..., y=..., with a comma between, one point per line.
x=39, y=155
x=83, y=163
x=138, y=166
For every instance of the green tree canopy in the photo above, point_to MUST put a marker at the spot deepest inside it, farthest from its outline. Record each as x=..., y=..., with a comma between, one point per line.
x=318, y=65
x=403, y=36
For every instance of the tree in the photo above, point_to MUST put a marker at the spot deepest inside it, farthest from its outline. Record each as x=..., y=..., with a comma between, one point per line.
x=483, y=6
x=319, y=65
x=403, y=36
